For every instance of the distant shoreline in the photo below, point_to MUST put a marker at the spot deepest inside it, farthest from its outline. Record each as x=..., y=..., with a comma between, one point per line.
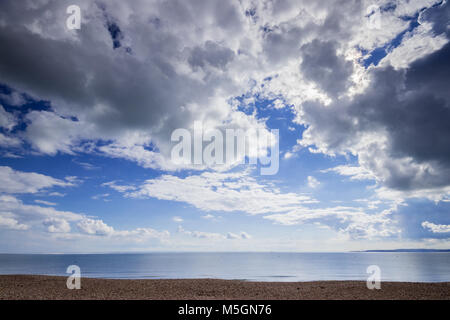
x=33, y=287
x=234, y=252
x=407, y=250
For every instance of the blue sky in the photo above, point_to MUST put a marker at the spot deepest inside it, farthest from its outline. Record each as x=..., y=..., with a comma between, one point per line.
x=86, y=118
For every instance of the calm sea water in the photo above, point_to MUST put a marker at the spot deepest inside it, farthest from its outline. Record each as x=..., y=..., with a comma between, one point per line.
x=412, y=266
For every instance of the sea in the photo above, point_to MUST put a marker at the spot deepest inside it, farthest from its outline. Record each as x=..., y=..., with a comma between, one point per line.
x=269, y=266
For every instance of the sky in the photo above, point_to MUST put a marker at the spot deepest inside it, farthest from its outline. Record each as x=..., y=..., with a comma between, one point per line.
x=358, y=91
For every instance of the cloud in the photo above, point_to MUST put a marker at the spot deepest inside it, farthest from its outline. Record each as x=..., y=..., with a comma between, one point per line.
x=16, y=215
x=415, y=44
x=8, y=221
x=201, y=234
x=437, y=16
x=321, y=65
x=436, y=228
x=7, y=119
x=9, y=142
x=288, y=155
x=50, y=133
x=55, y=225
x=132, y=97
x=34, y=213
x=95, y=227
x=141, y=234
x=214, y=235
x=433, y=194
x=245, y=235
x=354, y=172
x=27, y=182
x=47, y=203
x=154, y=67
x=177, y=219
x=239, y=192
x=86, y=165
x=313, y=182
x=211, y=54
x=212, y=191
x=101, y=196
x=350, y=221
x=56, y=194
x=119, y=188
x=242, y=235
x=232, y=236
x=397, y=127
x=13, y=99
x=136, y=71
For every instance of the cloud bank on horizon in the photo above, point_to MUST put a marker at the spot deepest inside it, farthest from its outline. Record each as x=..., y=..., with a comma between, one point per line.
x=357, y=89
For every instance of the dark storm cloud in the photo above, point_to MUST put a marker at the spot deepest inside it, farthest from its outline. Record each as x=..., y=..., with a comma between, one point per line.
x=211, y=53
x=59, y=71
x=412, y=107
x=110, y=90
x=426, y=110
x=439, y=15
x=283, y=42
x=322, y=65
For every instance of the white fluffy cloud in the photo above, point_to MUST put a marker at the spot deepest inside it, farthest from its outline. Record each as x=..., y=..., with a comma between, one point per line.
x=96, y=227
x=55, y=225
x=32, y=213
x=313, y=182
x=436, y=228
x=14, y=181
x=239, y=192
x=7, y=220
x=351, y=221
x=16, y=215
x=212, y=191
